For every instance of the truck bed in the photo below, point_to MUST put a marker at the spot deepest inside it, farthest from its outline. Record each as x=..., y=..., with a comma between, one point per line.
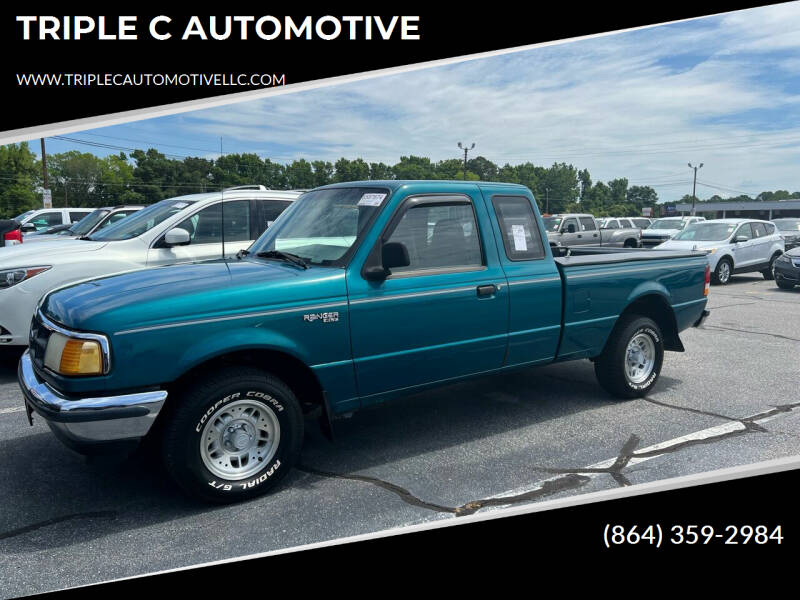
x=598, y=281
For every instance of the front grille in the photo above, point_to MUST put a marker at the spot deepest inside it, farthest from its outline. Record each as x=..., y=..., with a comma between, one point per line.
x=37, y=343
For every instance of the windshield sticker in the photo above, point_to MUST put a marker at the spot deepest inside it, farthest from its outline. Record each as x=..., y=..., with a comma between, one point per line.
x=371, y=199
x=518, y=231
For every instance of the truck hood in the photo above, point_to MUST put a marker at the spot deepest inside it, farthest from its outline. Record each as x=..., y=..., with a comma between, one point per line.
x=26, y=254
x=186, y=292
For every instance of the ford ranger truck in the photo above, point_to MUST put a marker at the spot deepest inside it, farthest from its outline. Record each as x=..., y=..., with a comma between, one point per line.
x=359, y=293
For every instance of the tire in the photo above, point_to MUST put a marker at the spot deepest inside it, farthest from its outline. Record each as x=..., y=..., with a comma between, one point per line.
x=784, y=285
x=722, y=274
x=631, y=244
x=768, y=273
x=633, y=336
x=227, y=424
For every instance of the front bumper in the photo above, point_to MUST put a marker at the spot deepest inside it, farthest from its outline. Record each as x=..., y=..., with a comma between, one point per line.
x=89, y=421
x=788, y=271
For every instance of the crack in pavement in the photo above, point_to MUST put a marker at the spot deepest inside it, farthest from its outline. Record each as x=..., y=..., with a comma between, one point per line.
x=570, y=478
x=775, y=335
x=553, y=486
x=102, y=514
x=729, y=305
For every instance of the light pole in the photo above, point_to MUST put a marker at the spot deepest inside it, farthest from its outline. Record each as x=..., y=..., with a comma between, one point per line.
x=547, y=200
x=465, y=149
x=694, y=185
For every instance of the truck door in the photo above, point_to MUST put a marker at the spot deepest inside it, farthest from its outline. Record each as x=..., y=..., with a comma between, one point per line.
x=442, y=316
x=534, y=282
x=591, y=234
x=571, y=234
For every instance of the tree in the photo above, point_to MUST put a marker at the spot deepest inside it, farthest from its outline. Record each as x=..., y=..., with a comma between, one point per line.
x=19, y=176
x=351, y=170
x=485, y=169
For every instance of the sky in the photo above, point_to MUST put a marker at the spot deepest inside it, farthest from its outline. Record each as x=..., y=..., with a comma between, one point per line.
x=722, y=90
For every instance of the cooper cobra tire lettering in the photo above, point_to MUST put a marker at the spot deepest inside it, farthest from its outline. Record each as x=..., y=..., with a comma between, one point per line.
x=220, y=394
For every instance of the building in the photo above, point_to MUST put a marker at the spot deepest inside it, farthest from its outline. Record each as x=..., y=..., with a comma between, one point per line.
x=750, y=210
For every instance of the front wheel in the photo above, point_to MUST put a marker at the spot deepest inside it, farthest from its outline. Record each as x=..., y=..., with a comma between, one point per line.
x=784, y=285
x=631, y=361
x=233, y=435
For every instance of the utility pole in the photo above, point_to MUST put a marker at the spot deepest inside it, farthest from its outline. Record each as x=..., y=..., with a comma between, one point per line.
x=694, y=185
x=547, y=200
x=464, y=147
x=47, y=199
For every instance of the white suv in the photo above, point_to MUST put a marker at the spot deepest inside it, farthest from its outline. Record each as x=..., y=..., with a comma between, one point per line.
x=664, y=229
x=733, y=246
x=44, y=218
x=176, y=230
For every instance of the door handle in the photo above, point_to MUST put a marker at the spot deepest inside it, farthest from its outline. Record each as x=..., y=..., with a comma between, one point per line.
x=485, y=291
x=579, y=235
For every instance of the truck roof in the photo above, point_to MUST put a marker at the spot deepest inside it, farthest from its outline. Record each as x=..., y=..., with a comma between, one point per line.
x=394, y=184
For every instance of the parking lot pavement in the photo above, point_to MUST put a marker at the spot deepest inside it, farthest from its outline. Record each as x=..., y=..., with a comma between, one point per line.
x=730, y=399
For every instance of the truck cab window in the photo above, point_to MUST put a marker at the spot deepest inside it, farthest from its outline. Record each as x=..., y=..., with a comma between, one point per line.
x=521, y=237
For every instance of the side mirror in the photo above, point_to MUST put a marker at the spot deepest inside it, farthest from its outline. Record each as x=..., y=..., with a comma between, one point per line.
x=740, y=238
x=28, y=227
x=177, y=237
x=393, y=255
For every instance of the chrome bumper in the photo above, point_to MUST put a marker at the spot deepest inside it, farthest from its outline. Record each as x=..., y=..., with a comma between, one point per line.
x=89, y=420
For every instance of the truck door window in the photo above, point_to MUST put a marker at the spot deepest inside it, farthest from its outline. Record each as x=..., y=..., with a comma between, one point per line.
x=438, y=236
x=521, y=237
x=587, y=224
x=570, y=222
x=270, y=210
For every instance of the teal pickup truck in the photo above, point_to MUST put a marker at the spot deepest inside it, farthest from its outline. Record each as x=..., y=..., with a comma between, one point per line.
x=358, y=293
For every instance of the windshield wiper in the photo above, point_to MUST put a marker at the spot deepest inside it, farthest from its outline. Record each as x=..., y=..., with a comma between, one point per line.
x=292, y=258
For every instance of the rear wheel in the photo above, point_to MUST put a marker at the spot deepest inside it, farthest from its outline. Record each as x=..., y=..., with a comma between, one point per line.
x=631, y=361
x=631, y=244
x=234, y=434
x=784, y=285
x=722, y=274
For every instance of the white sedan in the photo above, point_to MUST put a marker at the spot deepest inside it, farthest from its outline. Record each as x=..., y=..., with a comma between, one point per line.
x=176, y=230
x=733, y=246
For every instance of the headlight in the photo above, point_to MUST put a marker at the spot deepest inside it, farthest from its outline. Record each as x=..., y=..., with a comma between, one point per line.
x=711, y=250
x=11, y=277
x=784, y=257
x=73, y=356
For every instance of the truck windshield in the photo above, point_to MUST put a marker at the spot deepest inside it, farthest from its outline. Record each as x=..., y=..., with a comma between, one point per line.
x=668, y=224
x=552, y=223
x=142, y=221
x=322, y=226
x=86, y=224
x=707, y=232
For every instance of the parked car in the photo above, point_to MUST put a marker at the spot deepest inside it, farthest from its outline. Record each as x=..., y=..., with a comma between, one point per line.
x=662, y=230
x=790, y=231
x=733, y=246
x=641, y=222
x=94, y=221
x=786, y=269
x=348, y=300
x=39, y=220
x=10, y=234
x=577, y=229
x=182, y=229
